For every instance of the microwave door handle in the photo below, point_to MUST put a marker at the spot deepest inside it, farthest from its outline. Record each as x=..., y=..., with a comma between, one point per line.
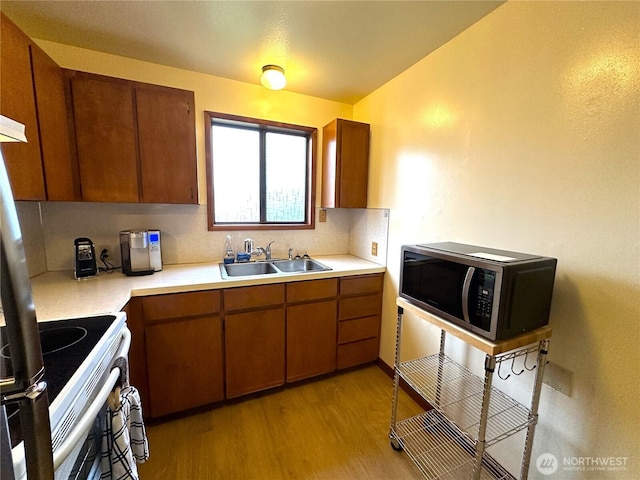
x=465, y=293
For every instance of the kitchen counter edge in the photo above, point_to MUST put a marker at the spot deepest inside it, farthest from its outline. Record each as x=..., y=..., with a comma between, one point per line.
x=57, y=295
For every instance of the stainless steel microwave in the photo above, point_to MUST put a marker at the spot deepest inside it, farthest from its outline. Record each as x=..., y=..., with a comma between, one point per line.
x=494, y=293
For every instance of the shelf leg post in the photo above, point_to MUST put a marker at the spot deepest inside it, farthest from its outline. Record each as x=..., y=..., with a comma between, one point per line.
x=443, y=336
x=396, y=375
x=543, y=349
x=489, y=368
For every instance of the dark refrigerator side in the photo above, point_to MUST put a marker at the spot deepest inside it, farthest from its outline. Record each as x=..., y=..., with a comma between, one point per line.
x=23, y=385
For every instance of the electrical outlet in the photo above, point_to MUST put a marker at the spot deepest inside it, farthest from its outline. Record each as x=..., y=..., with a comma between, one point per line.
x=374, y=249
x=323, y=216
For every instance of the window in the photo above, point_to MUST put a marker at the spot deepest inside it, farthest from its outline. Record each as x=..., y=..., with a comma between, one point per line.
x=260, y=174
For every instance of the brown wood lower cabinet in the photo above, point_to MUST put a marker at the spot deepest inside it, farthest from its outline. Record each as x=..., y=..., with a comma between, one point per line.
x=359, y=320
x=311, y=328
x=185, y=364
x=254, y=338
x=311, y=339
x=178, y=362
x=254, y=351
x=197, y=348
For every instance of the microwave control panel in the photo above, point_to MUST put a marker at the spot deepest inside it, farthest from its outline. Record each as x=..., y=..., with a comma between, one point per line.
x=482, y=300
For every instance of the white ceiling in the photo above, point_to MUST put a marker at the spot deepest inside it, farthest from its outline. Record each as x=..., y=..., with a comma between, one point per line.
x=338, y=50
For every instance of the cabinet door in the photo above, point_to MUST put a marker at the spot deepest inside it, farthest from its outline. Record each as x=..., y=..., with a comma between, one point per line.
x=167, y=138
x=23, y=160
x=345, y=167
x=353, y=164
x=254, y=351
x=184, y=359
x=311, y=339
x=60, y=171
x=103, y=113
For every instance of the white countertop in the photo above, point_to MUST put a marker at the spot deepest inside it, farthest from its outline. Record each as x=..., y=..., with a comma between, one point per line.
x=58, y=295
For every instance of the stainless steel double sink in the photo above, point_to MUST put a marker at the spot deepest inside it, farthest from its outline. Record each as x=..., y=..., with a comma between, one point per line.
x=271, y=267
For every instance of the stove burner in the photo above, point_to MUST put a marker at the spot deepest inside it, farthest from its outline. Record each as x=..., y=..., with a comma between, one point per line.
x=60, y=361
x=54, y=340
x=60, y=338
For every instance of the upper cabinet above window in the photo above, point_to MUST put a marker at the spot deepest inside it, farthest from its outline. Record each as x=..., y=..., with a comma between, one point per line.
x=345, y=164
x=135, y=141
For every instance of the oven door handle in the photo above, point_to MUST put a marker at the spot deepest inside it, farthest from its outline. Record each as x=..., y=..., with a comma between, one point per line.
x=465, y=293
x=84, y=425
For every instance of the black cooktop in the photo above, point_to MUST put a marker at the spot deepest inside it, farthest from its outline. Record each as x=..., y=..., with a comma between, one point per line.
x=65, y=345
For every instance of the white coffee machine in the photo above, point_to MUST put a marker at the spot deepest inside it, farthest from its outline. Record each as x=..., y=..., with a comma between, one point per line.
x=141, y=252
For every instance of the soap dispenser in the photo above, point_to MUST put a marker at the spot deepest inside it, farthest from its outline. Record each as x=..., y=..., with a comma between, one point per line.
x=228, y=251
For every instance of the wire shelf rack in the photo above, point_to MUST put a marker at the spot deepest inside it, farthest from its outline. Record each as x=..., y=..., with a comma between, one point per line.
x=456, y=392
x=442, y=451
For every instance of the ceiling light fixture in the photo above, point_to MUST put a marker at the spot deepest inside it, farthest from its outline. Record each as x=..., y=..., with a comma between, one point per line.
x=273, y=77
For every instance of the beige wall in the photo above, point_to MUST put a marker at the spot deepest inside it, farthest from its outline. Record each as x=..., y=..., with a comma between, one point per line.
x=522, y=133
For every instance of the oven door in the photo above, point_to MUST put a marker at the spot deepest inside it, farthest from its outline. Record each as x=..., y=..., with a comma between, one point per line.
x=78, y=457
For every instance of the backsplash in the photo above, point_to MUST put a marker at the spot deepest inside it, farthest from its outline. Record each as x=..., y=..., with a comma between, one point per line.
x=32, y=237
x=49, y=229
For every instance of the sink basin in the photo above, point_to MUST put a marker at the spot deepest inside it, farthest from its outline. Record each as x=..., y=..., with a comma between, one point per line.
x=300, y=265
x=244, y=269
x=273, y=267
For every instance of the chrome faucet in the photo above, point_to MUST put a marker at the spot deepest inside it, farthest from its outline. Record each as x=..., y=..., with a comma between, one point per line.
x=266, y=251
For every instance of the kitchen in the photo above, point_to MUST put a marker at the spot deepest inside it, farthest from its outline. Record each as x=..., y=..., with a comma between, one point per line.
x=539, y=102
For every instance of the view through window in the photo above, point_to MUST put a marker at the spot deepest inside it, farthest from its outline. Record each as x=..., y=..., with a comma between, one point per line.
x=259, y=173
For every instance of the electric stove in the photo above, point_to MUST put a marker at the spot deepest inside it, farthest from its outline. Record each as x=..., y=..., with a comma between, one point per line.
x=78, y=354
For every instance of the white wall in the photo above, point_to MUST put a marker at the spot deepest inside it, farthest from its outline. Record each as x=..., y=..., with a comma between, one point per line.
x=522, y=133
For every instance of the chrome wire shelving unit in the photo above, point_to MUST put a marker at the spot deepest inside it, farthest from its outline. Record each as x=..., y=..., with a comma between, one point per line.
x=469, y=414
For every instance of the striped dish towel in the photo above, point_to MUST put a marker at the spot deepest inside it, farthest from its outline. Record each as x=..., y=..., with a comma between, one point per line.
x=124, y=439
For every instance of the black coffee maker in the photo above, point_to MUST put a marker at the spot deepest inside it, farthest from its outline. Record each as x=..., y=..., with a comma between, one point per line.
x=85, y=258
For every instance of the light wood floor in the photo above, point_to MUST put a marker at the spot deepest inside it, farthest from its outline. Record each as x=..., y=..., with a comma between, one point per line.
x=335, y=428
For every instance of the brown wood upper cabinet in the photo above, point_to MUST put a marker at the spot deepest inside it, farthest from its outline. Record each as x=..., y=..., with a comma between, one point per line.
x=32, y=91
x=345, y=164
x=135, y=141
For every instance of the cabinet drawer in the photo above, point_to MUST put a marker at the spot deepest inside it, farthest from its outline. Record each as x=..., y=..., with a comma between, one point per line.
x=177, y=305
x=312, y=290
x=363, y=306
x=251, y=297
x=356, y=353
x=361, y=285
x=358, y=329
